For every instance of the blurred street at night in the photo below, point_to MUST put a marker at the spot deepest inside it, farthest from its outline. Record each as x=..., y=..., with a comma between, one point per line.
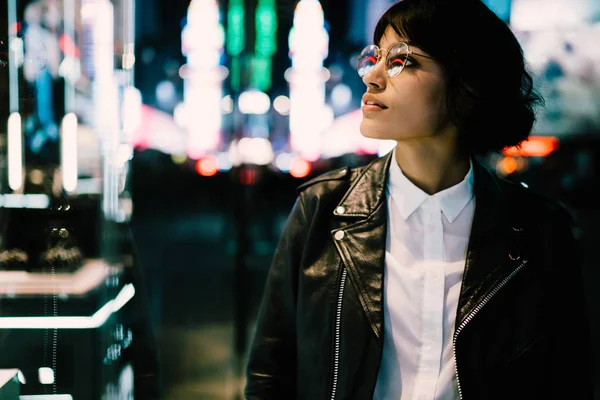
x=151, y=151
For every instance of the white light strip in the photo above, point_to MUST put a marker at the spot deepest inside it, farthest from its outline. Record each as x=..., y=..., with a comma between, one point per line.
x=89, y=276
x=89, y=186
x=68, y=152
x=131, y=110
x=15, y=151
x=46, y=397
x=17, y=200
x=95, y=321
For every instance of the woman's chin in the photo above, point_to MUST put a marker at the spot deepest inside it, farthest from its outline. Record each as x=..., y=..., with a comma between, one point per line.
x=370, y=133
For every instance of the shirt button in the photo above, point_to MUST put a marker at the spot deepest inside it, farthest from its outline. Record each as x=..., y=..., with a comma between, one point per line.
x=339, y=235
x=340, y=210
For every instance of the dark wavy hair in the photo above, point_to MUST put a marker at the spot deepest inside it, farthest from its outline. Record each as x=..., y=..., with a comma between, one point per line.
x=489, y=92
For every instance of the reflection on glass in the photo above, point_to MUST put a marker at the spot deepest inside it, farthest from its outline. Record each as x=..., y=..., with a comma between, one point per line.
x=68, y=299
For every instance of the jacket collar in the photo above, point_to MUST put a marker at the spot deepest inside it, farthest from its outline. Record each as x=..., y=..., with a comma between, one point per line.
x=367, y=193
x=368, y=190
x=409, y=197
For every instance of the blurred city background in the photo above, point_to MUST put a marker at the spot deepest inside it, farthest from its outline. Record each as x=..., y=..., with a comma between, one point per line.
x=150, y=152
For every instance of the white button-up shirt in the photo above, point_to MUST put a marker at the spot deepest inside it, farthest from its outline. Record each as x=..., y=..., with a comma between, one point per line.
x=425, y=259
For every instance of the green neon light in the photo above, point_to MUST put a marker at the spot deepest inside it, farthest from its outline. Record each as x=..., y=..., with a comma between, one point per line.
x=235, y=27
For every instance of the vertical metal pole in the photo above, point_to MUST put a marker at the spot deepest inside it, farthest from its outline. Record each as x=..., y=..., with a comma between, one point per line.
x=13, y=72
x=69, y=26
x=15, y=132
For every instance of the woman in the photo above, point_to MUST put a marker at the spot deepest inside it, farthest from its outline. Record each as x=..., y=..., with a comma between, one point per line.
x=423, y=275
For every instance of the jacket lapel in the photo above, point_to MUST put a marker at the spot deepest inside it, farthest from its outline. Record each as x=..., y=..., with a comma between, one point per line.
x=362, y=215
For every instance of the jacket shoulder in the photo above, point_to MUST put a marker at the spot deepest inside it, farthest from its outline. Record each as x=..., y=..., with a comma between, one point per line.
x=340, y=175
x=535, y=204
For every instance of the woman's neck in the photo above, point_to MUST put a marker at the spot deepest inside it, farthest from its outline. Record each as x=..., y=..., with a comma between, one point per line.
x=432, y=164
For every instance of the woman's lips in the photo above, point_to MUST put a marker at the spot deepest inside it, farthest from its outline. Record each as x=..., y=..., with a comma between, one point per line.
x=372, y=107
x=372, y=103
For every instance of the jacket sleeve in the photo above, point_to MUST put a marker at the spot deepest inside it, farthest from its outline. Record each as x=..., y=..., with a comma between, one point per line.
x=271, y=368
x=569, y=350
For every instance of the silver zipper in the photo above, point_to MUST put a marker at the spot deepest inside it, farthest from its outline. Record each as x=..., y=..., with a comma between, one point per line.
x=338, y=324
x=474, y=312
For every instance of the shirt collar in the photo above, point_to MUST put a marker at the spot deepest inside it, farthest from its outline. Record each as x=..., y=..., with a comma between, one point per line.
x=410, y=197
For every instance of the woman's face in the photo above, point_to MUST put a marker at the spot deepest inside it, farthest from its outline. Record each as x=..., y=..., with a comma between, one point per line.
x=412, y=104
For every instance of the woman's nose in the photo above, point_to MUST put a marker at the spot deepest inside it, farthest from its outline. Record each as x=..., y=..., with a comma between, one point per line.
x=375, y=79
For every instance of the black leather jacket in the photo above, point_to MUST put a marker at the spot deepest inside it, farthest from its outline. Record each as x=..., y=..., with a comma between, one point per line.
x=521, y=327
